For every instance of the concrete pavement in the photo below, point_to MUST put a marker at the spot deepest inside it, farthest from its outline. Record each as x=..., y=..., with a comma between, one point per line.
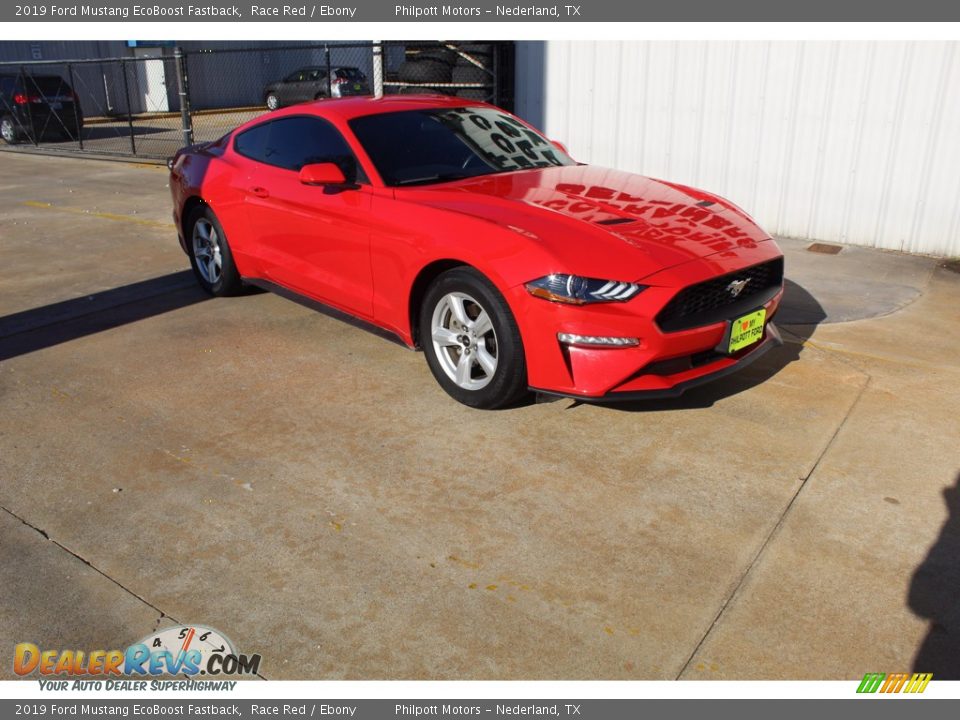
x=306, y=488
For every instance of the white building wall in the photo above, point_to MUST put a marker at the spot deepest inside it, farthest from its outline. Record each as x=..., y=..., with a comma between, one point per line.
x=854, y=142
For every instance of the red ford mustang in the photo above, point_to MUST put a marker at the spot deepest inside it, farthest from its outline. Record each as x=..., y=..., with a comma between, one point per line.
x=461, y=230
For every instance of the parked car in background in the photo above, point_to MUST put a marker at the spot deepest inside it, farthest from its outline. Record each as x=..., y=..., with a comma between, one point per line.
x=460, y=229
x=35, y=107
x=315, y=83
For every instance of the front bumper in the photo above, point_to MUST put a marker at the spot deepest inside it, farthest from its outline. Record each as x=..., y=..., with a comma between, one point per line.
x=663, y=364
x=771, y=339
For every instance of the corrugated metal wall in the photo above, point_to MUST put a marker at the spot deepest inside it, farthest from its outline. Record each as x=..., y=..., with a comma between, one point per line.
x=61, y=49
x=855, y=142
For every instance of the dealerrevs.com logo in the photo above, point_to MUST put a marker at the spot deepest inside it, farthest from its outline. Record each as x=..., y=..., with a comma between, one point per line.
x=183, y=650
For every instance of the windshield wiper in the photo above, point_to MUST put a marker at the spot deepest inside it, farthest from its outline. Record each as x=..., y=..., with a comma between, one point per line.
x=440, y=177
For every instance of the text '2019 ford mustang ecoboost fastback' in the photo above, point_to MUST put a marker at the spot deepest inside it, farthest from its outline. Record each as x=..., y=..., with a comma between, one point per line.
x=460, y=229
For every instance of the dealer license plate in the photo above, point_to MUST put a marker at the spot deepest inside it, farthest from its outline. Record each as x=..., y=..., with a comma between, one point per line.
x=746, y=330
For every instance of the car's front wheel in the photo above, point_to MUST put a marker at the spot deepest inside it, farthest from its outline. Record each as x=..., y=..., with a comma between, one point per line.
x=273, y=102
x=210, y=254
x=472, y=341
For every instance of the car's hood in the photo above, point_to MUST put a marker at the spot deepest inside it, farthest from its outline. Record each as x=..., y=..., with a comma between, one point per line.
x=608, y=218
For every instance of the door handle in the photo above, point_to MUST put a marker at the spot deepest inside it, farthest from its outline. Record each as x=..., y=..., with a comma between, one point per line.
x=260, y=191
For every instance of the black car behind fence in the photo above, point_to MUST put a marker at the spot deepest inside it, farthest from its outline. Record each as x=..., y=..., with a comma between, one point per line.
x=148, y=107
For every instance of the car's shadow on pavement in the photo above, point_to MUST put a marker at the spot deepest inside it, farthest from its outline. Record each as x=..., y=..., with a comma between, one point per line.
x=934, y=595
x=798, y=318
x=56, y=323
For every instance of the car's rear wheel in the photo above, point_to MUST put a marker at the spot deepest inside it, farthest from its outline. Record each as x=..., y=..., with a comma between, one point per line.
x=472, y=341
x=8, y=130
x=210, y=254
x=273, y=102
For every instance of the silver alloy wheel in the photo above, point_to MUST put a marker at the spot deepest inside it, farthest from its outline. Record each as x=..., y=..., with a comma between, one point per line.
x=7, y=130
x=464, y=341
x=206, y=249
x=273, y=102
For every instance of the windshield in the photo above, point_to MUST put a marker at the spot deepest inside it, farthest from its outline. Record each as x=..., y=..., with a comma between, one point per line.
x=419, y=147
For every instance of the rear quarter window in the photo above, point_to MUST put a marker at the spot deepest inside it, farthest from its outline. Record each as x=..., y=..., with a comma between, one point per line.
x=252, y=143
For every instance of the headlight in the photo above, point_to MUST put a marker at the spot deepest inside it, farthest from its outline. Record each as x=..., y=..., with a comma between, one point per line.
x=576, y=290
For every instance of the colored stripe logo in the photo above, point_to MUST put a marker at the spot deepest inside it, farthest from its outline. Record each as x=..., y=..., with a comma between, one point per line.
x=895, y=682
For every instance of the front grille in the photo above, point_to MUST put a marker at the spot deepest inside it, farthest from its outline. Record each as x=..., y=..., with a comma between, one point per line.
x=711, y=301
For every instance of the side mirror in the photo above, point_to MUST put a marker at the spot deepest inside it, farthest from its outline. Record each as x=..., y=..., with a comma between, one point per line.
x=327, y=173
x=560, y=146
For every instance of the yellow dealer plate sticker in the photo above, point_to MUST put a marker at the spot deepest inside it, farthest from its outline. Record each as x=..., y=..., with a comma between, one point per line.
x=746, y=330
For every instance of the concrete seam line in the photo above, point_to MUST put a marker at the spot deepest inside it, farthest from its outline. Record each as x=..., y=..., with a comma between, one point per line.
x=838, y=353
x=775, y=530
x=86, y=562
x=97, y=570
x=146, y=161
x=829, y=348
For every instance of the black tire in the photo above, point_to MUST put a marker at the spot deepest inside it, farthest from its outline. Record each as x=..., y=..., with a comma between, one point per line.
x=440, y=54
x=424, y=71
x=508, y=383
x=474, y=94
x=484, y=60
x=430, y=50
x=471, y=74
x=9, y=132
x=229, y=282
x=475, y=48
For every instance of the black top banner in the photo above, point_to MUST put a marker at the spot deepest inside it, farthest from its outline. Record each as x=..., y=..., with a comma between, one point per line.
x=480, y=11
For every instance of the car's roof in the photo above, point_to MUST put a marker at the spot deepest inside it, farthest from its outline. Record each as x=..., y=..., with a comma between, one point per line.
x=358, y=106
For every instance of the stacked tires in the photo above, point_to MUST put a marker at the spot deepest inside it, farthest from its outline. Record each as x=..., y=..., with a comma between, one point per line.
x=430, y=64
x=477, y=67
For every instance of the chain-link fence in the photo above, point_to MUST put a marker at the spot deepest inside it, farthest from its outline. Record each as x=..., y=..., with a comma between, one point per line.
x=110, y=106
x=152, y=105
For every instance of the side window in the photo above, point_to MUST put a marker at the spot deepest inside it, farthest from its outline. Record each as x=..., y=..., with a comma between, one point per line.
x=293, y=142
x=298, y=141
x=253, y=142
